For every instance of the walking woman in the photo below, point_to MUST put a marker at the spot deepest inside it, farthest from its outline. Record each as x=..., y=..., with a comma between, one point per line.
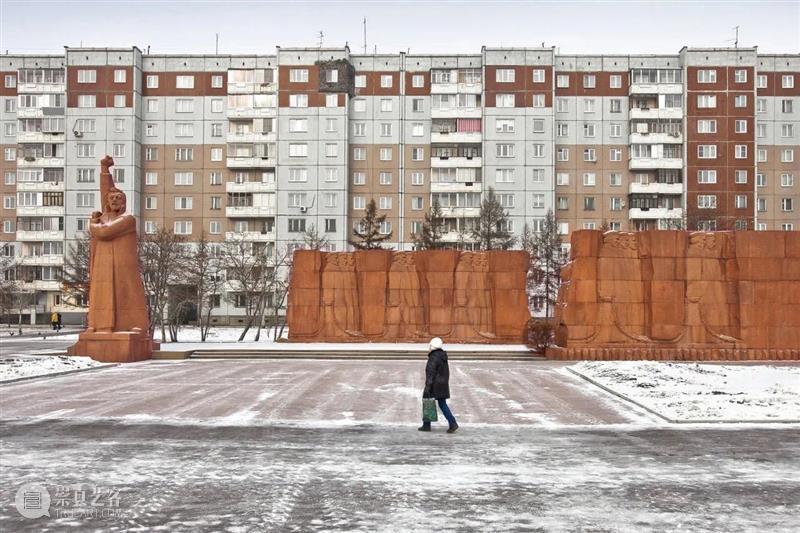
x=437, y=383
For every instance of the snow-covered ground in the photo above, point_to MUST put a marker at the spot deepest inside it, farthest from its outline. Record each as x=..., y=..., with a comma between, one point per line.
x=703, y=392
x=22, y=367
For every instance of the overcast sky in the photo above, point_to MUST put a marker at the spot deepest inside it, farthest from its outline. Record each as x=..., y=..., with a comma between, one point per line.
x=175, y=26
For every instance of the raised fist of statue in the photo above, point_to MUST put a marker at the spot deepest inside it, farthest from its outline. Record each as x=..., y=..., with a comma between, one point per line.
x=106, y=163
x=96, y=217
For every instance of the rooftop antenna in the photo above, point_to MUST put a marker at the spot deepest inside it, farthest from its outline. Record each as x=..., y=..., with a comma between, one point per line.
x=736, y=41
x=365, y=35
x=216, y=44
x=321, y=36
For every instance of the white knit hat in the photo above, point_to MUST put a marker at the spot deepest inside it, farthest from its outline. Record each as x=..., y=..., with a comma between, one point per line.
x=436, y=344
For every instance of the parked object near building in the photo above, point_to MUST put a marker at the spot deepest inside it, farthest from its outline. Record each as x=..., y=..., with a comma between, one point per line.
x=680, y=295
x=118, y=321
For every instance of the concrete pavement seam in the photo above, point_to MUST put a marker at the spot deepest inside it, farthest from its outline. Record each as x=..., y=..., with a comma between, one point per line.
x=57, y=374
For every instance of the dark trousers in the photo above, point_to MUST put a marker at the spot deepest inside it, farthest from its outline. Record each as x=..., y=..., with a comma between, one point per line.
x=445, y=411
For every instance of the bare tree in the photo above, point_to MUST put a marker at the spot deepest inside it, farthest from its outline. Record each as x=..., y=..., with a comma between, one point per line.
x=490, y=231
x=248, y=275
x=75, y=274
x=161, y=255
x=367, y=234
x=206, y=275
x=314, y=240
x=9, y=288
x=549, y=260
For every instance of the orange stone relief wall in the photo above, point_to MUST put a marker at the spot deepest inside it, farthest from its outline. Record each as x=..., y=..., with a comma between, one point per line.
x=386, y=296
x=680, y=295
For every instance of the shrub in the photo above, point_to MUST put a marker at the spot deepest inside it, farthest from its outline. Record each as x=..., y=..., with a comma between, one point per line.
x=539, y=333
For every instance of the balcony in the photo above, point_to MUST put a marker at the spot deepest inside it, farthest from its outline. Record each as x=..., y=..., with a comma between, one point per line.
x=41, y=260
x=655, y=213
x=252, y=112
x=251, y=137
x=40, y=162
x=40, y=211
x=656, y=138
x=456, y=186
x=251, y=162
x=456, y=162
x=457, y=112
x=656, y=188
x=250, y=186
x=453, y=88
x=41, y=285
x=40, y=186
x=656, y=88
x=255, y=236
x=40, y=137
x=251, y=87
x=44, y=235
x=655, y=113
x=249, y=211
x=650, y=163
x=456, y=137
x=460, y=212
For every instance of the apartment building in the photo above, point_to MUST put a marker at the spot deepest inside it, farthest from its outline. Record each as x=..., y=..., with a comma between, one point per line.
x=264, y=148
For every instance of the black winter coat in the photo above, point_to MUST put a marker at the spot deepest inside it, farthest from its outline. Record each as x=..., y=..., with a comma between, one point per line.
x=437, y=376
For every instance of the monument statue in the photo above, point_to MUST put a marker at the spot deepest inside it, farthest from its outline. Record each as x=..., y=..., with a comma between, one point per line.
x=118, y=329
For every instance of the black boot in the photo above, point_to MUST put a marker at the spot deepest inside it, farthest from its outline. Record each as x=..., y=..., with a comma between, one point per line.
x=424, y=427
x=453, y=428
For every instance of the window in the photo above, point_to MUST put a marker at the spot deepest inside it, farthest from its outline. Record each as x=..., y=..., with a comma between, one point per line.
x=706, y=76
x=562, y=154
x=184, y=178
x=538, y=150
x=706, y=201
x=416, y=203
x=298, y=175
x=538, y=100
x=297, y=125
x=740, y=100
x=616, y=106
x=298, y=100
x=588, y=130
x=761, y=130
x=9, y=202
x=359, y=154
x=151, y=202
x=332, y=100
x=706, y=176
x=787, y=226
x=297, y=199
x=615, y=81
x=740, y=151
x=359, y=129
x=331, y=76
x=184, y=82
x=10, y=154
x=615, y=154
x=386, y=105
x=151, y=153
x=358, y=202
x=385, y=154
x=505, y=150
x=787, y=130
x=787, y=81
x=589, y=81
x=386, y=80
x=787, y=204
x=87, y=100
x=504, y=125
x=385, y=202
x=216, y=129
x=787, y=180
x=417, y=81
x=538, y=75
x=119, y=76
x=298, y=150
x=183, y=227
x=10, y=81
x=385, y=178
x=298, y=75
x=706, y=126
x=616, y=130
x=85, y=150
x=216, y=154
x=152, y=81
x=538, y=125
x=504, y=100
x=215, y=178
x=615, y=179
x=417, y=178
x=331, y=150
x=562, y=203
x=506, y=200
x=589, y=154
x=707, y=151
x=504, y=75
x=589, y=179
x=741, y=201
x=588, y=105
x=217, y=105
x=761, y=180
x=706, y=101
x=417, y=105
x=216, y=81
x=562, y=105
x=562, y=129
x=85, y=199
x=787, y=155
x=184, y=129
x=10, y=105
x=417, y=129
x=385, y=227
x=761, y=155
x=417, y=154
x=740, y=176
x=151, y=178
x=360, y=105
x=87, y=76
x=538, y=201
x=184, y=105
x=740, y=76
x=10, y=177
x=761, y=205
x=330, y=225
x=331, y=175
x=150, y=227
x=504, y=175
x=386, y=129
x=588, y=203
x=761, y=105
x=118, y=150
x=214, y=227
x=184, y=154
x=562, y=81
x=359, y=178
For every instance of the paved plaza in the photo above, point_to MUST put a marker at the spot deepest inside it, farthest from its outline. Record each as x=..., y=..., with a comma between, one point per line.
x=302, y=445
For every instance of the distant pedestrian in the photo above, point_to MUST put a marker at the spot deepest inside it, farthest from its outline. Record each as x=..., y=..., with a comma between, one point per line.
x=60, y=325
x=54, y=320
x=437, y=383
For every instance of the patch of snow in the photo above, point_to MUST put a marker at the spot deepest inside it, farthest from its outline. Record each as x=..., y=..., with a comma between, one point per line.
x=28, y=366
x=703, y=392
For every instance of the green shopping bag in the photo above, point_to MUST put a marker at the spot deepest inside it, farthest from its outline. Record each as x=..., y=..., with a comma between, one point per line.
x=429, y=413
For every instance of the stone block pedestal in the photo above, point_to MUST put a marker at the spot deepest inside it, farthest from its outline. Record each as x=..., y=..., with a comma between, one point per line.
x=116, y=347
